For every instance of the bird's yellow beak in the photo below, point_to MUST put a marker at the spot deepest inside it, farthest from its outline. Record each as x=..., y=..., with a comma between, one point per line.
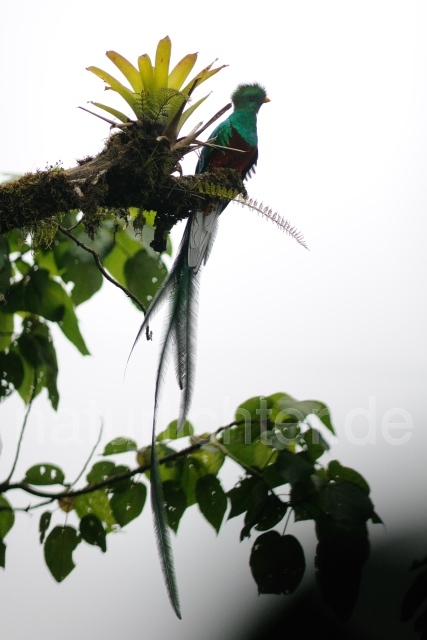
x=267, y=100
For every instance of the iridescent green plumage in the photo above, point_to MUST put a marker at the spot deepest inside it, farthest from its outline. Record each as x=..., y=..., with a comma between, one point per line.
x=181, y=286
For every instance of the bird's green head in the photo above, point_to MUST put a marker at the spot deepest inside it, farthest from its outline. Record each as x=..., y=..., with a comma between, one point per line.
x=249, y=97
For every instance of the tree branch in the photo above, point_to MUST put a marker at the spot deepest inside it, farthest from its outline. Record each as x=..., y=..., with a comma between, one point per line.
x=52, y=495
x=134, y=169
x=98, y=263
x=24, y=424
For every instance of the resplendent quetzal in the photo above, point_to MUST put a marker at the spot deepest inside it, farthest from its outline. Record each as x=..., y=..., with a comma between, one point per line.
x=180, y=287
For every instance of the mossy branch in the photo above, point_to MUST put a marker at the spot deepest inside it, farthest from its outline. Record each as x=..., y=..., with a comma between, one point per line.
x=133, y=170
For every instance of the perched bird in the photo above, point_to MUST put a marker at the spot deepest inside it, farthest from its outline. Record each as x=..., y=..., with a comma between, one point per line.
x=180, y=287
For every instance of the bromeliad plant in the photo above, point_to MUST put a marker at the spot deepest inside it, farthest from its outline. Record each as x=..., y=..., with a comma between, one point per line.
x=157, y=95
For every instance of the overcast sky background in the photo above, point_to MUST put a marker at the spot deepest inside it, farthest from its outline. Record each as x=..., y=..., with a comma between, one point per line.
x=343, y=156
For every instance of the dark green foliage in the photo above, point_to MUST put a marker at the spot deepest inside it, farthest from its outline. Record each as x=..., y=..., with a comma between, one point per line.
x=92, y=532
x=44, y=474
x=11, y=373
x=119, y=445
x=175, y=501
x=279, y=452
x=127, y=505
x=211, y=499
x=278, y=440
x=277, y=563
x=143, y=275
x=7, y=517
x=33, y=293
x=58, y=551
x=2, y=554
x=265, y=512
x=44, y=524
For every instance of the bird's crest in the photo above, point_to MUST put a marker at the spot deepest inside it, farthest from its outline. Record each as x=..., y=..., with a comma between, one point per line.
x=248, y=92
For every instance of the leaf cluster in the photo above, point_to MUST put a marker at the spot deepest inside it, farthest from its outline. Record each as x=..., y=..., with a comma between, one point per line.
x=46, y=286
x=277, y=441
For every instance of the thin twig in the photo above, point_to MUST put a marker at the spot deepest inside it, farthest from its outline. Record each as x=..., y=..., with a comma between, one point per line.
x=112, y=479
x=188, y=140
x=74, y=226
x=217, y=146
x=98, y=263
x=287, y=521
x=24, y=424
x=214, y=118
x=92, y=453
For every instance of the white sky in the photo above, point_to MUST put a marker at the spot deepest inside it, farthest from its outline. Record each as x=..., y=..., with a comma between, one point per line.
x=343, y=155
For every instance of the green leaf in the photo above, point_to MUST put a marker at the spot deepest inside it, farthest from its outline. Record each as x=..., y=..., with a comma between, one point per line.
x=256, y=455
x=87, y=280
x=26, y=388
x=293, y=563
x=171, y=433
x=241, y=496
x=2, y=554
x=259, y=496
x=37, y=293
x=58, y=551
x=318, y=409
x=171, y=470
x=84, y=273
x=128, y=504
x=188, y=480
x=294, y=467
x=45, y=259
x=77, y=265
x=344, y=474
x=70, y=328
x=15, y=240
x=44, y=474
x=282, y=409
x=175, y=502
x=100, y=471
x=256, y=408
x=92, y=532
x=6, y=329
x=274, y=510
x=273, y=474
x=11, y=373
x=98, y=504
x=7, y=517
x=206, y=460
x=126, y=245
x=277, y=563
x=44, y=524
x=36, y=347
x=347, y=504
x=144, y=275
x=315, y=443
x=119, y=445
x=286, y=409
x=211, y=499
